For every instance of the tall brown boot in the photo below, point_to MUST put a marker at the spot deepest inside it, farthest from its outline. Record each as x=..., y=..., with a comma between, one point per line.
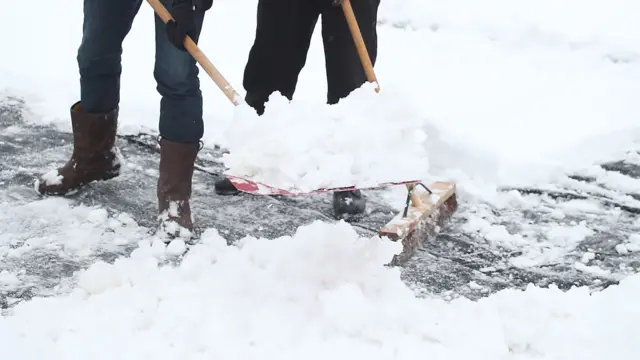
x=174, y=187
x=95, y=156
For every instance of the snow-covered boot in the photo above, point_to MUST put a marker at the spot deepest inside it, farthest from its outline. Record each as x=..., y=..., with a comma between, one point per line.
x=95, y=156
x=348, y=204
x=174, y=187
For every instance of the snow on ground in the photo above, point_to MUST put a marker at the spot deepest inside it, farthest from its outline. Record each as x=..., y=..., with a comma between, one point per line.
x=510, y=92
x=324, y=292
x=55, y=236
x=84, y=229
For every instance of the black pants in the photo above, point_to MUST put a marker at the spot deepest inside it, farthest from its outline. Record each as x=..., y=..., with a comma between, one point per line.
x=283, y=36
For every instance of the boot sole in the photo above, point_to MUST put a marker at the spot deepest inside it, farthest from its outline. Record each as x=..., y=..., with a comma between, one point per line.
x=106, y=176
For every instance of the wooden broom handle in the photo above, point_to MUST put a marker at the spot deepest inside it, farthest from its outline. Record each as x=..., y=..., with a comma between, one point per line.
x=368, y=66
x=200, y=57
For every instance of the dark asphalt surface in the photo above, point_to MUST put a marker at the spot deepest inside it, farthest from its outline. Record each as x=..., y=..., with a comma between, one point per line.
x=458, y=257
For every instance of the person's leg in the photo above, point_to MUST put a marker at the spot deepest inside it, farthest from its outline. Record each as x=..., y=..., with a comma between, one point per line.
x=345, y=73
x=180, y=126
x=94, y=118
x=343, y=66
x=279, y=52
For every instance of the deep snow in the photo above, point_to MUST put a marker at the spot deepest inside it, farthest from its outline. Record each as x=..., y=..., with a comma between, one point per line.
x=510, y=93
x=324, y=292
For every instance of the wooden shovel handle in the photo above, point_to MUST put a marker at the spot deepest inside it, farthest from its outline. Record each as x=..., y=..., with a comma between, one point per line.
x=368, y=66
x=200, y=57
x=359, y=42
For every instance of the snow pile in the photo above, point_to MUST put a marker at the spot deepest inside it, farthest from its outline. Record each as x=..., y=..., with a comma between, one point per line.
x=364, y=140
x=322, y=293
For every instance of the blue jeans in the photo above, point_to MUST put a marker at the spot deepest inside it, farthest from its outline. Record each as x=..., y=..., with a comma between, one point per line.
x=106, y=24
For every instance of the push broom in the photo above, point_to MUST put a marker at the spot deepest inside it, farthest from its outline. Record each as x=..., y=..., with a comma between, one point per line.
x=425, y=213
x=417, y=223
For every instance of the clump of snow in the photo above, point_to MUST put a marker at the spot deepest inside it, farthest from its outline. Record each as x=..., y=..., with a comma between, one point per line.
x=52, y=177
x=591, y=269
x=631, y=245
x=54, y=224
x=621, y=249
x=8, y=279
x=98, y=216
x=98, y=278
x=322, y=293
x=588, y=256
x=176, y=247
x=365, y=140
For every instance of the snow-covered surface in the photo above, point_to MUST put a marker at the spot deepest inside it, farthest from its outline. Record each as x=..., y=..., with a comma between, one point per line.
x=509, y=93
x=365, y=140
x=268, y=299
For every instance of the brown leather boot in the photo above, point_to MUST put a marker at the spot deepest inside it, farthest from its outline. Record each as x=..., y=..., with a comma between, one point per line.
x=95, y=156
x=174, y=187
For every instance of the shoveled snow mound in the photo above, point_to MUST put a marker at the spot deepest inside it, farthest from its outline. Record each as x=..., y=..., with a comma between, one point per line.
x=365, y=140
x=323, y=293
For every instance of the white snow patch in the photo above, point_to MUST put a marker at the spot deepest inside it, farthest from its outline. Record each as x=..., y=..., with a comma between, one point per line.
x=99, y=216
x=568, y=235
x=557, y=214
x=588, y=256
x=592, y=269
x=631, y=245
x=176, y=247
x=580, y=206
x=365, y=140
x=279, y=299
x=52, y=178
x=53, y=224
x=621, y=249
x=555, y=242
x=8, y=279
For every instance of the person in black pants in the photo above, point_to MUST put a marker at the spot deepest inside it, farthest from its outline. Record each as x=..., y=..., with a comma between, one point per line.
x=283, y=35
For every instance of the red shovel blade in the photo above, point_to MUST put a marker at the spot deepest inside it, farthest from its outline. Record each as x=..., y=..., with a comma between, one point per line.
x=257, y=188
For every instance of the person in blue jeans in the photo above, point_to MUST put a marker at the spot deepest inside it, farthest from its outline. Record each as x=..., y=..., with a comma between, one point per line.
x=94, y=118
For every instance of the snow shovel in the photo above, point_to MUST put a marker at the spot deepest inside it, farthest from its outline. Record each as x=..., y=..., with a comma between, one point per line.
x=244, y=185
x=424, y=214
